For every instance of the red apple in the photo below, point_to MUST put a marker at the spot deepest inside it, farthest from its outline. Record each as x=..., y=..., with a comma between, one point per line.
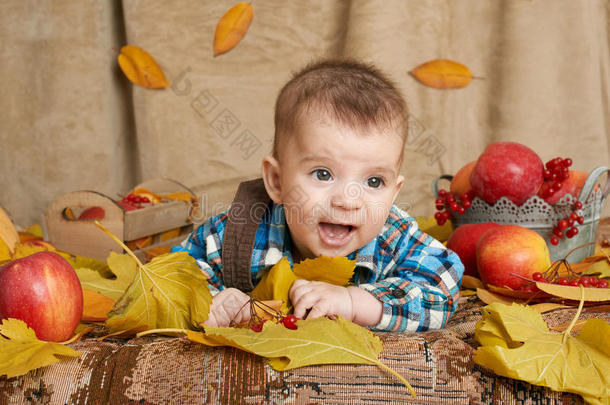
x=507, y=169
x=572, y=185
x=93, y=213
x=43, y=291
x=460, y=184
x=508, y=251
x=463, y=241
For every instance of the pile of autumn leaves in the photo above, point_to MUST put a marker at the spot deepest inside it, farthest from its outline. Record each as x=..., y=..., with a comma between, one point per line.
x=169, y=295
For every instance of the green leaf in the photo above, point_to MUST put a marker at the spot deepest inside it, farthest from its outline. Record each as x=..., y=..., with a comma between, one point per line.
x=21, y=351
x=533, y=353
x=168, y=292
x=110, y=280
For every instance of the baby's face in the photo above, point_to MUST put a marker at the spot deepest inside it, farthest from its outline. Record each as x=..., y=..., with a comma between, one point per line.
x=338, y=185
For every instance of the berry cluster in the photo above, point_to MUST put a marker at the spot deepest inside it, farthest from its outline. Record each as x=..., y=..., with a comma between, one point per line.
x=289, y=322
x=133, y=201
x=449, y=202
x=585, y=281
x=567, y=226
x=567, y=277
x=256, y=322
x=555, y=172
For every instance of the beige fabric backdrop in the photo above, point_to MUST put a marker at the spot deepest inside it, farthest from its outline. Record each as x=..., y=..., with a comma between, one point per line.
x=70, y=120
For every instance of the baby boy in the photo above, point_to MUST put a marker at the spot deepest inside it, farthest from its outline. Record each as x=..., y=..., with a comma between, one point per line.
x=330, y=184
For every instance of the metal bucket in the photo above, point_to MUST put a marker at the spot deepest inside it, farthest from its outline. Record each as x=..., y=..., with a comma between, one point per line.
x=537, y=215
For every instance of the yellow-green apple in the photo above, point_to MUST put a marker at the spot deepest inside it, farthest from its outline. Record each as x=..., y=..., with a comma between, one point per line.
x=463, y=241
x=93, y=213
x=460, y=184
x=507, y=169
x=44, y=291
x=507, y=254
x=572, y=185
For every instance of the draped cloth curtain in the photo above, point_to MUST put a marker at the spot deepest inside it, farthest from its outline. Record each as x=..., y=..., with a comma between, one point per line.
x=71, y=120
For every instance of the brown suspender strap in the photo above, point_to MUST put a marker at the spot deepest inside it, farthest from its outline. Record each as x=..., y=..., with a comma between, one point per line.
x=249, y=205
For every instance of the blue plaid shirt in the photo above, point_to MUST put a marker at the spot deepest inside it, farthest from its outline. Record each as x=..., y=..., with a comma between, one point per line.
x=415, y=277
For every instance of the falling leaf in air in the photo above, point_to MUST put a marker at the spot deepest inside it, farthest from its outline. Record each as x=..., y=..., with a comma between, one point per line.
x=315, y=341
x=232, y=27
x=517, y=343
x=443, y=74
x=21, y=351
x=140, y=68
x=111, y=280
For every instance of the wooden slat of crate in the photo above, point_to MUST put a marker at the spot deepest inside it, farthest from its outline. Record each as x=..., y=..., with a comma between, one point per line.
x=155, y=219
x=84, y=238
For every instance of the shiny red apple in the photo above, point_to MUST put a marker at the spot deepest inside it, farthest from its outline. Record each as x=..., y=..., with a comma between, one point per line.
x=463, y=241
x=507, y=169
x=508, y=255
x=44, y=291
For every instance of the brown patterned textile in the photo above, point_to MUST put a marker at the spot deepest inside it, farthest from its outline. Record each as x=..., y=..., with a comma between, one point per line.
x=164, y=370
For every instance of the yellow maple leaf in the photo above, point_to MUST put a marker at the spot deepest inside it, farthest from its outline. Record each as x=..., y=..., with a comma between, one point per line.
x=110, y=280
x=574, y=292
x=432, y=228
x=8, y=233
x=315, y=341
x=333, y=270
x=517, y=343
x=21, y=351
x=95, y=306
x=232, y=27
x=168, y=292
x=141, y=68
x=443, y=74
x=276, y=282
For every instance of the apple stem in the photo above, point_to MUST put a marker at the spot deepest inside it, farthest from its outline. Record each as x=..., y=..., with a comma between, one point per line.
x=120, y=242
x=163, y=330
x=580, y=305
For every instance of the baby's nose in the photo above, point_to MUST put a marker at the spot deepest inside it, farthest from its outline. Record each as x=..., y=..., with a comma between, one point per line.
x=348, y=196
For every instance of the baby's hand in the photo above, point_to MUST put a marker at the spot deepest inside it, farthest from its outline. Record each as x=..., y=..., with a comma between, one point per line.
x=229, y=304
x=321, y=299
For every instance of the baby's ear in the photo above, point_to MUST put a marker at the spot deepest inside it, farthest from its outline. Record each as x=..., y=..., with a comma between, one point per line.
x=399, y=182
x=271, y=178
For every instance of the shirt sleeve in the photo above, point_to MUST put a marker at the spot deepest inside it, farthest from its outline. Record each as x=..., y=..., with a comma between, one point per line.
x=421, y=288
x=205, y=245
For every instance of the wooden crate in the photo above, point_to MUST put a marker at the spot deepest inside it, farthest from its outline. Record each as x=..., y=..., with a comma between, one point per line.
x=84, y=238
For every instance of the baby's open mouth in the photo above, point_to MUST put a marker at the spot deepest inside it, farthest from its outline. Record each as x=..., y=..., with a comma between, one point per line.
x=335, y=234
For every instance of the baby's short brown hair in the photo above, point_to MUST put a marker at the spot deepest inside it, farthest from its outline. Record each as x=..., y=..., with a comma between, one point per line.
x=353, y=93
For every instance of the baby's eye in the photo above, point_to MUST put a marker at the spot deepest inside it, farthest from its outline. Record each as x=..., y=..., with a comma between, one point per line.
x=374, y=182
x=322, y=174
